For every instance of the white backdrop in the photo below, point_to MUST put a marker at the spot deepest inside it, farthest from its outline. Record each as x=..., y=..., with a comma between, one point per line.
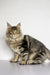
x=34, y=16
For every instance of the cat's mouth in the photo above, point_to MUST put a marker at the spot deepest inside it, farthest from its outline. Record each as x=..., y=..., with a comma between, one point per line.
x=14, y=36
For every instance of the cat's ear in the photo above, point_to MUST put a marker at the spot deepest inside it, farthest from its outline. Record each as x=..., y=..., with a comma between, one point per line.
x=8, y=25
x=19, y=25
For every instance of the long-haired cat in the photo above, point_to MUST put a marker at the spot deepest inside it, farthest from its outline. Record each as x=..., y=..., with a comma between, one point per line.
x=30, y=50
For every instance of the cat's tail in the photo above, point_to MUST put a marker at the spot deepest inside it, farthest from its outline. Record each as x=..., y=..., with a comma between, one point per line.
x=48, y=54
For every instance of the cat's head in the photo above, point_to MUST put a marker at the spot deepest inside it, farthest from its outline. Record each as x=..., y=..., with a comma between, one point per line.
x=13, y=31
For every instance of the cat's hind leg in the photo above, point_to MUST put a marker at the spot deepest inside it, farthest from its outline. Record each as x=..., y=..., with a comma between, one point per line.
x=34, y=62
x=35, y=58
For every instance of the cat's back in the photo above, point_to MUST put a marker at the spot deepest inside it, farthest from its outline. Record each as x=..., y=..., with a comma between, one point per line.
x=34, y=43
x=32, y=40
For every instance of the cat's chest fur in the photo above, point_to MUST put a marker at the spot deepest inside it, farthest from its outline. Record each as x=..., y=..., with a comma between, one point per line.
x=15, y=44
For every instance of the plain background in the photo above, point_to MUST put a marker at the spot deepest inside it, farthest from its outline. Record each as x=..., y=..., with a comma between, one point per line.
x=34, y=16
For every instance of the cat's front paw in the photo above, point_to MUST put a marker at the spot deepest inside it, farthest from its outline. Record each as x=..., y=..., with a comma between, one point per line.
x=13, y=61
x=22, y=62
x=29, y=61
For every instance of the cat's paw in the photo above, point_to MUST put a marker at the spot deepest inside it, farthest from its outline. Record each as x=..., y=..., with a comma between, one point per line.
x=13, y=61
x=29, y=61
x=22, y=62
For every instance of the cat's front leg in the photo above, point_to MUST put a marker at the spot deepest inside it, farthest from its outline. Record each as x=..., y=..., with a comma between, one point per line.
x=22, y=62
x=23, y=59
x=16, y=56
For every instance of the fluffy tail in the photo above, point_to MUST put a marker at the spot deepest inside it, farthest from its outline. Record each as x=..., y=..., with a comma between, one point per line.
x=48, y=54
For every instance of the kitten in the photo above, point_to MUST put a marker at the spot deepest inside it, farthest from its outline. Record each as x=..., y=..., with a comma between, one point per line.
x=30, y=50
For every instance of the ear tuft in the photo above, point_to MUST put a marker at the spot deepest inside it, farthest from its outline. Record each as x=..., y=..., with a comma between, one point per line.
x=8, y=25
x=18, y=25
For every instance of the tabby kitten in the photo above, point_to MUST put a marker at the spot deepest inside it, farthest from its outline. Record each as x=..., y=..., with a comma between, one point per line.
x=30, y=50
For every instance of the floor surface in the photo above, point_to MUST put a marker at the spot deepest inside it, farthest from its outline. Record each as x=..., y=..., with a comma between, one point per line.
x=7, y=68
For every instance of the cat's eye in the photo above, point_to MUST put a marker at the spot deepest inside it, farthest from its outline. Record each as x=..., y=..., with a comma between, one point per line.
x=18, y=32
x=10, y=32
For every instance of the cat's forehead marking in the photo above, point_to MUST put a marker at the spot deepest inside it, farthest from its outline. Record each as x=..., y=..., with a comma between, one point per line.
x=14, y=28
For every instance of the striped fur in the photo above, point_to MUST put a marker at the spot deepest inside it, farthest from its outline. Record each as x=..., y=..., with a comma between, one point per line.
x=30, y=50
